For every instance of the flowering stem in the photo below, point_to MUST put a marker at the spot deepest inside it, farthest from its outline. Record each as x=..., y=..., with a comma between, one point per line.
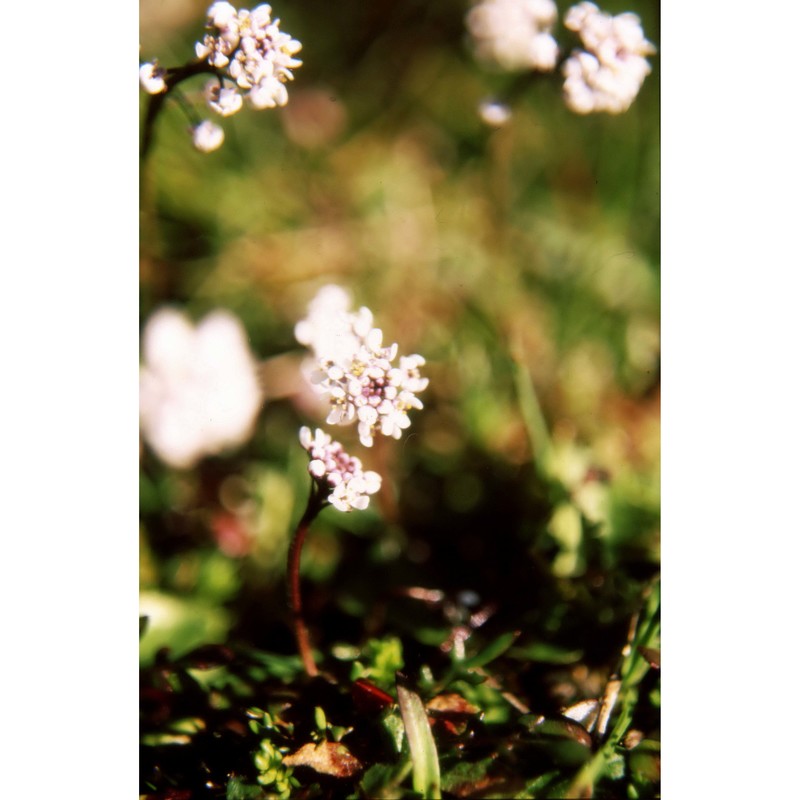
x=174, y=76
x=386, y=495
x=316, y=503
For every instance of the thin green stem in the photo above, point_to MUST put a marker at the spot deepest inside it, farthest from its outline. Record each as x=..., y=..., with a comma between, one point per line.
x=186, y=107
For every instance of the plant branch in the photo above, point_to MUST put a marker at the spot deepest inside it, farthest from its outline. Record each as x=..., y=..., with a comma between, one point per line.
x=315, y=504
x=173, y=77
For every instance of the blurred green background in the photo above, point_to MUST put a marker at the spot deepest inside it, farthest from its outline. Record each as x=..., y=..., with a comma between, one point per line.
x=522, y=262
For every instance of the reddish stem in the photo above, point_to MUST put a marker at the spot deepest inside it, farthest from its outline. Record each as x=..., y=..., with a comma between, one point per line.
x=387, y=497
x=315, y=504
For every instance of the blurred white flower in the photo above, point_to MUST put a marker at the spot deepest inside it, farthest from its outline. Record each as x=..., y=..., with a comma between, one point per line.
x=494, y=113
x=225, y=100
x=355, y=371
x=151, y=77
x=334, y=469
x=198, y=388
x=258, y=56
x=331, y=330
x=207, y=136
x=515, y=34
x=607, y=76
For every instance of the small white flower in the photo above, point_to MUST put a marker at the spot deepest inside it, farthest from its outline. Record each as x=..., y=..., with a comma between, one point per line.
x=332, y=468
x=268, y=93
x=221, y=16
x=577, y=15
x=218, y=45
x=514, y=34
x=225, y=100
x=198, y=389
x=151, y=77
x=261, y=16
x=607, y=76
x=207, y=136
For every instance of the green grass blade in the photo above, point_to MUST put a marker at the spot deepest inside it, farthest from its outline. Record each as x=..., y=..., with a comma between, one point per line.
x=491, y=652
x=424, y=758
x=634, y=668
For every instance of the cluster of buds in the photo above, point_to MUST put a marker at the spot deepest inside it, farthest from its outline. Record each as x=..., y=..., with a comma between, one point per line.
x=356, y=373
x=248, y=53
x=515, y=34
x=350, y=485
x=609, y=73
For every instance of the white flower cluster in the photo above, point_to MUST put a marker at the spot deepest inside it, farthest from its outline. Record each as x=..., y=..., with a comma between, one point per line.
x=343, y=474
x=608, y=75
x=356, y=372
x=198, y=388
x=250, y=52
x=515, y=34
x=258, y=57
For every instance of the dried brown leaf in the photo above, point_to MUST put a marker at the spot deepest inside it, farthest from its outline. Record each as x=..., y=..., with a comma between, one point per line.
x=451, y=703
x=327, y=758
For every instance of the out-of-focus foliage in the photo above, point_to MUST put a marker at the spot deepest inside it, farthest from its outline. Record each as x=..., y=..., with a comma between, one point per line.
x=522, y=262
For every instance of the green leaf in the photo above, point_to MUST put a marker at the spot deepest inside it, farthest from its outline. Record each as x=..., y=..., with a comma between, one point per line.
x=490, y=653
x=380, y=780
x=466, y=773
x=425, y=760
x=615, y=766
x=545, y=653
x=278, y=666
x=542, y=786
x=239, y=790
x=179, y=623
x=394, y=727
x=558, y=728
x=645, y=766
x=380, y=660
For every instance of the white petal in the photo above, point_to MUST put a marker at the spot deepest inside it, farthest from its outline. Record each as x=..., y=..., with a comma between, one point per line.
x=372, y=482
x=316, y=468
x=367, y=414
